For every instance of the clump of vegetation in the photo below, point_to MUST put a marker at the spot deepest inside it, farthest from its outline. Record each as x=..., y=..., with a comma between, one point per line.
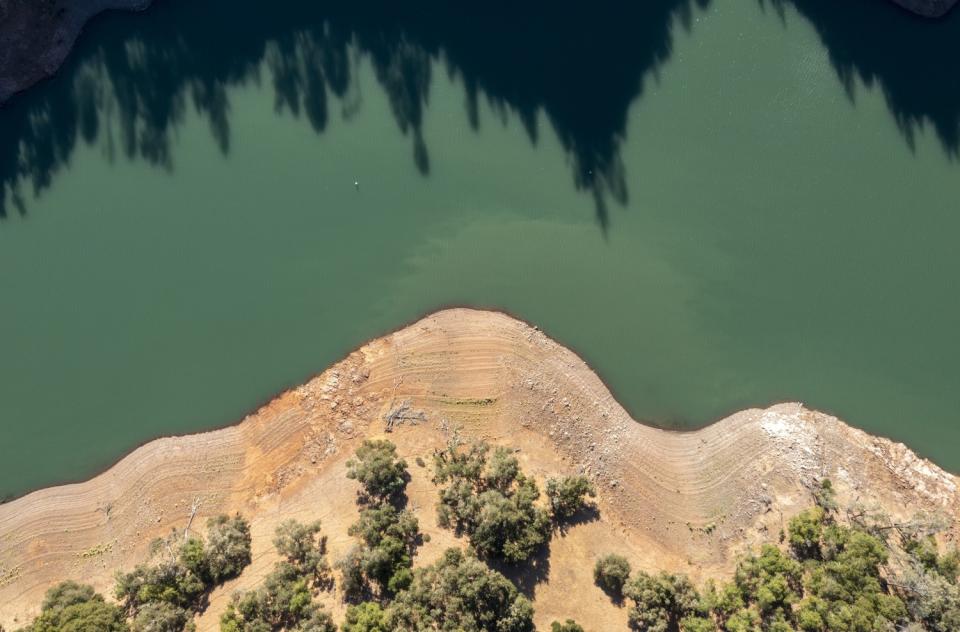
x=381, y=563
x=285, y=601
x=459, y=592
x=567, y=626
x=378, y=470
x=488, y=498
x=187, y=569
x=365, y=617
x=305, y=549
x=661, y=602
x=931, y=585
x=568, y=495
x=384, y=558
x=73, y=607
x=833, y=578
x=611, y=573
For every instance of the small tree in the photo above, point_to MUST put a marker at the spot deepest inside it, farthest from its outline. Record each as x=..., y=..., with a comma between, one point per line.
x=302, y=547
x=661, y=601
x=805, y=532
x=610, y=573
x=459, y=592
x=365, y=617
x=490, y=500
x=567, y=626
x=228, y=547
x=71, y=606
x=160, y=616
x=378, y=469
x=568, y=495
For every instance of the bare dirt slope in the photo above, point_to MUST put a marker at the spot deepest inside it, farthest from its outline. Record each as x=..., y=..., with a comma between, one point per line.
x=684, y=501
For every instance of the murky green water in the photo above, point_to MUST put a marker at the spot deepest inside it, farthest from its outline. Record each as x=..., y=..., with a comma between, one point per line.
x=718, y=204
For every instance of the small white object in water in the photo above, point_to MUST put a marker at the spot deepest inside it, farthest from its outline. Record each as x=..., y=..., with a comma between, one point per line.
x=356, y=184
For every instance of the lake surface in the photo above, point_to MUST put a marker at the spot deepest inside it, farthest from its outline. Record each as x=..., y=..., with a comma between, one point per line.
x=718, y=204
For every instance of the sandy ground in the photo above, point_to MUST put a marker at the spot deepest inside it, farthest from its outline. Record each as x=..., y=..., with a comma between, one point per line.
x=682, y=501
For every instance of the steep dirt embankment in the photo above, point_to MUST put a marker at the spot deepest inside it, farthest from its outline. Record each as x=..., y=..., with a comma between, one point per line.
x=683, y=501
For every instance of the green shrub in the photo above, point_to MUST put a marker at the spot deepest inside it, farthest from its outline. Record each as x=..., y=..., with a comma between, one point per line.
x=805, y=532
x=388, y=538
x=611, y=573
x=227, y=547
x=285, y=600
x=378, y=470
x=365, y=617
x=568, y=495
x=459, y=592
x=160, y=616
x=73, y=607
x=567, y=626
x=661, y=601
x=187, y=569
x=300, y=545
x=491, y=501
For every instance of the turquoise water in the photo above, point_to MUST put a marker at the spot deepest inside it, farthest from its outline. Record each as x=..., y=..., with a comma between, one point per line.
x=717, y=204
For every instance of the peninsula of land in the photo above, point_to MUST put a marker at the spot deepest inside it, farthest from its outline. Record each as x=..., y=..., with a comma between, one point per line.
x=689, y=502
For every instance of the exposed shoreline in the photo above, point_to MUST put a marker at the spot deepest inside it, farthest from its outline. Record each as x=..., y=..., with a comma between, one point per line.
x=40, y=35
x=494, y=377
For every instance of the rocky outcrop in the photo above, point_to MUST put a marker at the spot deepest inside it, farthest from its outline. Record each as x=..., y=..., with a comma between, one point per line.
x=37, y=36
x=927, y=8
x=687, y=501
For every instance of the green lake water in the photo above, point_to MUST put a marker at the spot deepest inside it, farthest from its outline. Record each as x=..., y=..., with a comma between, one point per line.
x=718, y=204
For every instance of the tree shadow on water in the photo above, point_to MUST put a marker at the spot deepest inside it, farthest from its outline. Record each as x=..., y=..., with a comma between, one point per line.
x=132, y=79
x=911, y=59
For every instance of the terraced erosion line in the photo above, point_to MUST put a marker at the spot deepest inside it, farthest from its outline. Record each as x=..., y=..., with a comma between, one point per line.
x=37, y=35
x=685, y=501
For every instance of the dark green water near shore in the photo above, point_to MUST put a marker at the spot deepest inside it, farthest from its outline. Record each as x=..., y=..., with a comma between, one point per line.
x=718, y=204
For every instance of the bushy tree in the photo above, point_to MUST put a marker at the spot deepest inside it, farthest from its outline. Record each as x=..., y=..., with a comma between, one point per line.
x=459, y=592
x=567, y=626
x=160, y=616
x=228, y=547
x=388, y=540
x=185, y=570
x=285, y=600
x=491, y=501
x=661, y=601
x=932, y=590
x=365, y=617
x=805, y=533
x=568, y=495
x=611, y=573
x=378, y=470
x=304, y=547
x=73, y=607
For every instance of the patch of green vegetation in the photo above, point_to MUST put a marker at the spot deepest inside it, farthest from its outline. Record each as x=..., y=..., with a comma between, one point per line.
x=380, y=473
x=611, y=573
x=568, y=495
x=173, y=587
x=834, y=578
x=285, y=600
x=487, y=497
x=73, y=607
x=459, y=592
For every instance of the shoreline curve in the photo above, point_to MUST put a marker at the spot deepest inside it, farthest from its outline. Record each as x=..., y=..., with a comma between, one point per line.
x=687, y=500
